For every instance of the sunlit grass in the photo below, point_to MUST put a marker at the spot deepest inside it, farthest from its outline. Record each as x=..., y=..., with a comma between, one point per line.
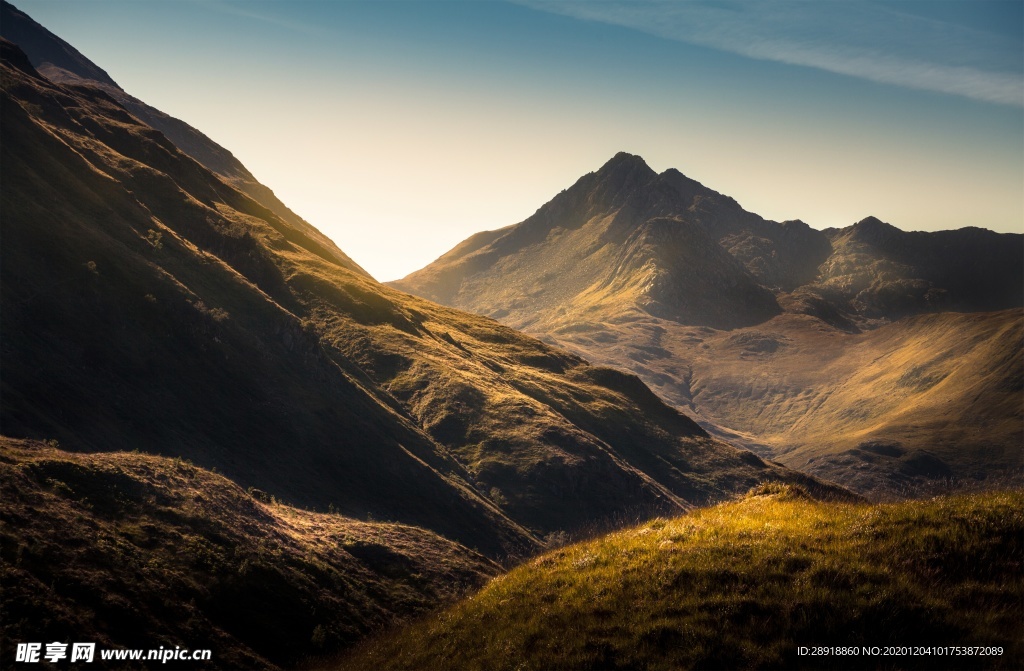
x=742, y=585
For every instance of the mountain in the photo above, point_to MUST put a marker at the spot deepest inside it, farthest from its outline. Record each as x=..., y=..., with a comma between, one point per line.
x=128, y=549
x=878, y=271
x=144, y=306
x=631, y=239
x=613, y=245
x=61, y=63
x=746, y=585
x=767, y=332
x=149, y=304
x=221, y=394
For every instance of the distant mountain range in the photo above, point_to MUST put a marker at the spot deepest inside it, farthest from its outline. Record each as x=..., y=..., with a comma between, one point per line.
x=156, y=298
x=817, y=348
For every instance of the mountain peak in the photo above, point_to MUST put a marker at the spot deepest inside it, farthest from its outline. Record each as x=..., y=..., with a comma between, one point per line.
x=625, y=158
x=873, y=229
x=873, y=223
x=623, y=164
x=623, y=174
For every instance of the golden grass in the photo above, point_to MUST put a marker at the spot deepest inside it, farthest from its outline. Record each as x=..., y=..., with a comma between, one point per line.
x=742, y=585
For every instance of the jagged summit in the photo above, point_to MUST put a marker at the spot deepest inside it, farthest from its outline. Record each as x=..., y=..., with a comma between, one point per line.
x=625, y=158
x=872, y=221
x=624, y=165
x=626, y=238
x=627, y=180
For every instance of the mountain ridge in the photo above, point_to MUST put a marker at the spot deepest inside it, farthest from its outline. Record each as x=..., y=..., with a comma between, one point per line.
x=59, y=62
x=677, y=283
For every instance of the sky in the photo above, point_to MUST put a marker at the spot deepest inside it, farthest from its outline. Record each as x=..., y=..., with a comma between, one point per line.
x=401, y=128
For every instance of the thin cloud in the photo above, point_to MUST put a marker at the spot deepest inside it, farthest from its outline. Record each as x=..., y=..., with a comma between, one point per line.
x=859, y=40
x=225, y=7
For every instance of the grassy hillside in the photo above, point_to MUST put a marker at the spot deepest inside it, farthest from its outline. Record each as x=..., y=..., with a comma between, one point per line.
x=142, y=307
x=742, y=585
x=61, y=63
x=148, y=303
x=133, y=550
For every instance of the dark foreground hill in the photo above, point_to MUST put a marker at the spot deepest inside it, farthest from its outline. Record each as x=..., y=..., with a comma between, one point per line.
x=137, y=551
x=743, y=585
x=804, y=345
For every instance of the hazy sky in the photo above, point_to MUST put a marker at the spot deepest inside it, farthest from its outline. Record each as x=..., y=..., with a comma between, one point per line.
x=400, y=128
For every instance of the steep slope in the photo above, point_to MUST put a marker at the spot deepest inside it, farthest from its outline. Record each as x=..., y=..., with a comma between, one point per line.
x=63, y=64
x=143, y=307
x=148, y=303
x=764, y=331
x=155, y=551
x=745, y=585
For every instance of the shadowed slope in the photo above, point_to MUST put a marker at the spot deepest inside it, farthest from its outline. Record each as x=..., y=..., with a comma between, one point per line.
x=143, y=307
x=42, y=46
x=154, y=551
x=878, y=271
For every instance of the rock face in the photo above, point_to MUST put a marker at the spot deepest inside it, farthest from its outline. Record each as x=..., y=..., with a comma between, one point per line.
x=878, y=271
x=741, y=322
